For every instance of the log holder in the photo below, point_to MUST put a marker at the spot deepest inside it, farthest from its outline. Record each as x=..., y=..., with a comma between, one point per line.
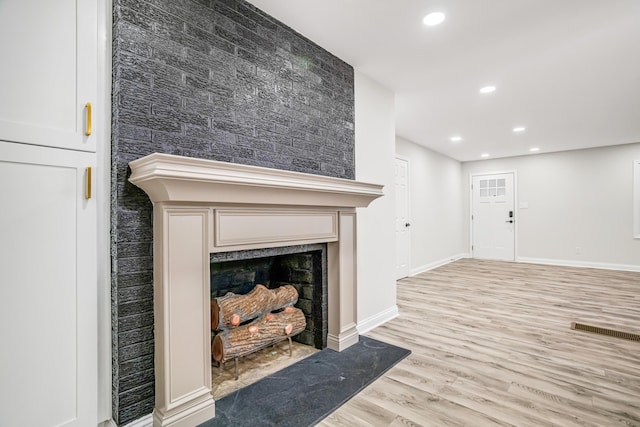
x=235, y=359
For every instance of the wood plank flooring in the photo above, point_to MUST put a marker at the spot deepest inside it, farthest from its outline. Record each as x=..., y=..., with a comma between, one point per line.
x=492, y=346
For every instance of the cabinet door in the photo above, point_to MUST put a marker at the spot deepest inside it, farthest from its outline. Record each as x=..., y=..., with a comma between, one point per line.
x=48, y=72
x=48, y=288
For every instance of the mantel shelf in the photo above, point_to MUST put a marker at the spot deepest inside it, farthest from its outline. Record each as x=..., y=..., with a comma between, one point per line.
x=170, y=178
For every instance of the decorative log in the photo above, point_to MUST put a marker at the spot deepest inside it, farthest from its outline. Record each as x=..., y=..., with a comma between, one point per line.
x=263, y=331
x=231, y=309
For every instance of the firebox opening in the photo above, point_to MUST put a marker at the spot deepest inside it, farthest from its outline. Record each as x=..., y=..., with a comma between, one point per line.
x=303, y=267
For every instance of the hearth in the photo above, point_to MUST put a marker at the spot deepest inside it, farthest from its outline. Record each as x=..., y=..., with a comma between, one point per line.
x=203, y=207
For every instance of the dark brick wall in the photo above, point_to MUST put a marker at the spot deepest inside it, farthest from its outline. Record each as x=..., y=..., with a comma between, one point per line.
x=217, y=80
x=304, y=271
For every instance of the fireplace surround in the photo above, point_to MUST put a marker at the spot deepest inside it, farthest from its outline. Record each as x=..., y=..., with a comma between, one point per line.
x=202, y=207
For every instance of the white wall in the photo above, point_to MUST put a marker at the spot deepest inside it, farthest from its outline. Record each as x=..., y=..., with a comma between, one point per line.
x=375, y=156
x=436, y=206
x=577, y=199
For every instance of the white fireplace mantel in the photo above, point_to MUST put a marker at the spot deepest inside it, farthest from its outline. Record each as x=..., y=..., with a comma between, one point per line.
x=204, y=206
x=169, y=178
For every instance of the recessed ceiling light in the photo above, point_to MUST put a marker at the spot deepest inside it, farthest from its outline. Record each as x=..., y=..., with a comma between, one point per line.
x=519, y=129
x=534, y=149
x=487, y=89
x=433, y=18
x=484, y=155
x=455, y=138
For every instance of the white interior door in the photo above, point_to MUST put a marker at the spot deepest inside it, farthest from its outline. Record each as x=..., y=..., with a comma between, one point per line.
x=48, y=290
x=403, y=240
x=493, y=216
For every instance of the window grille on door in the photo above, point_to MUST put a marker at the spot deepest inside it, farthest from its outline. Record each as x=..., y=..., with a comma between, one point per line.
x=492, y=187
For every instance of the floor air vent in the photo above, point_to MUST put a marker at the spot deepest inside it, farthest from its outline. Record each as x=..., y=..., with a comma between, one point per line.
x=605, y=331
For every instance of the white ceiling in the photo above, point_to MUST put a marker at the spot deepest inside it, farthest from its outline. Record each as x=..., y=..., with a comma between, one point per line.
x=568, y=70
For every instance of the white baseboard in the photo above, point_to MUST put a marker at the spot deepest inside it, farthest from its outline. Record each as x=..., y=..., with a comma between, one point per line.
x=439, y=263
x=584, y=264
x=146, y=421
x=345, y=340
x=376, y=320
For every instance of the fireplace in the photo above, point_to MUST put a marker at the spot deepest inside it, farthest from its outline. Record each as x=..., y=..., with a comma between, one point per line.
x=203, y=208
x=302, y=266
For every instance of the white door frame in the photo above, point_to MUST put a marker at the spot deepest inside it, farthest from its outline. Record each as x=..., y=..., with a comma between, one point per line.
x=515, y=209
x=406, y=159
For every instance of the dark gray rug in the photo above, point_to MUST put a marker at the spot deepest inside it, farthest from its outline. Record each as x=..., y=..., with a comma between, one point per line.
x=307, y=391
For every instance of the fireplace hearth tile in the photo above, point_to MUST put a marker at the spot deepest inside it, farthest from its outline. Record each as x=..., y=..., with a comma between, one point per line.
x=256, y=366
x=308, y=391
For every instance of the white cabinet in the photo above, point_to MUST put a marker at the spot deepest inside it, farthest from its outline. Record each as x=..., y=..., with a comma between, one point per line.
x=48, y=72
x=48, y=227
x=48, y=319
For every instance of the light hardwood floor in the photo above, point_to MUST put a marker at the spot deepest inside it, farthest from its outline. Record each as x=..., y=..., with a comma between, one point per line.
x=492, y=346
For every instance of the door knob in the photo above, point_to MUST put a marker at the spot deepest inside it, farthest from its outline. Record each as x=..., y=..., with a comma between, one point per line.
x=509, y=221
x=407, y=224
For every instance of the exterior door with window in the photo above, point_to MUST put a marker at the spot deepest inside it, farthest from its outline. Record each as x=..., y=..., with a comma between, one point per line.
x=493, y=216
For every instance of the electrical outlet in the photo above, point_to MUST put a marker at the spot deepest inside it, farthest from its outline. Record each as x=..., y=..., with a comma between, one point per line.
x=578, y=250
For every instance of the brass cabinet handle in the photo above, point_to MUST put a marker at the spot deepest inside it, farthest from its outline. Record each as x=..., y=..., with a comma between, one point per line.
x=88, y=193
x=88, y=119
